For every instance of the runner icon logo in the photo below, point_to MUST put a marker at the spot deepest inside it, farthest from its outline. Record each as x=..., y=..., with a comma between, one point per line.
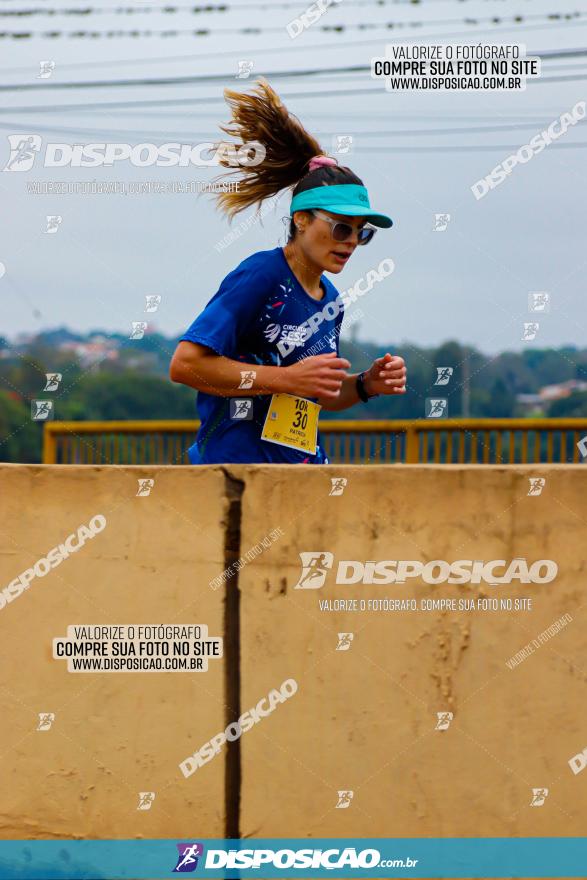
x=187, y=860
x=539, y=795
x=46, y=719
x=537, y=484
x=145, y=487
x=444, y=719
x=146, y=799
x=444, y=374
x=344, y=641
x=314, y=568
x=241, y=408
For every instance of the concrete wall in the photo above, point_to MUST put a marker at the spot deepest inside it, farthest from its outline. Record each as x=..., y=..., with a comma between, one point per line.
x=362, y=719
x=114, y=734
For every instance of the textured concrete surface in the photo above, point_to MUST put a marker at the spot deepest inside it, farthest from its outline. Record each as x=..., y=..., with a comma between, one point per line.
x=114, y=734
x=362, y=720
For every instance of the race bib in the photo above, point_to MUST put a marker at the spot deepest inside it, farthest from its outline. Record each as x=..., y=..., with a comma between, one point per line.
x=292, y=421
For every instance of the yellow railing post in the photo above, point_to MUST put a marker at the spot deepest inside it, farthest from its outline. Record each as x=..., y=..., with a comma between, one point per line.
x=49, y=444
x=412, y=445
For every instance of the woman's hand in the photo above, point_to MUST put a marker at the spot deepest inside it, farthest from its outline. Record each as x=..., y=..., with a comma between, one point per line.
x=318, y=376
x=387, y=375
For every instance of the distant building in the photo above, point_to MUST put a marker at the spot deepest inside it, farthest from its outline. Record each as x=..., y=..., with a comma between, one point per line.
x=564, y=389
x=549, y=393
x=97, y=349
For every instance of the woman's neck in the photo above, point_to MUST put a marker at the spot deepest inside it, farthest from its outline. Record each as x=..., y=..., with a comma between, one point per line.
x=308, y=274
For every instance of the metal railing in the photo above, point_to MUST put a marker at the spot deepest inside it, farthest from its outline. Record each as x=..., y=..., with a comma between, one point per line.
x=421, y=441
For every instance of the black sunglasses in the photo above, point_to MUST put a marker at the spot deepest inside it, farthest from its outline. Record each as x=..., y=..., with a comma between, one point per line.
x=343, y=231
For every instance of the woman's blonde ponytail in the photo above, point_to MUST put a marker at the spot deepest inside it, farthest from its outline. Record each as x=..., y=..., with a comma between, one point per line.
x=262, y=117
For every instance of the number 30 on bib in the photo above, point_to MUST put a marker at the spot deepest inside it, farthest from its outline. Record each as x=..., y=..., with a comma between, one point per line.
x=292, y=421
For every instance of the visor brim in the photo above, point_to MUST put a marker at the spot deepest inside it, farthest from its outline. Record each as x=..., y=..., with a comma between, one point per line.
x=381, y=220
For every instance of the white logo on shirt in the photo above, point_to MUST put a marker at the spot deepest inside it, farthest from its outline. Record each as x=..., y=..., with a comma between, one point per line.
x=288, y=334
x=272, y=331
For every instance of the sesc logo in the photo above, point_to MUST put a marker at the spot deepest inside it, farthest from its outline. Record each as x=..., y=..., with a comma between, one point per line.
x=272, y=331
x=314, y=568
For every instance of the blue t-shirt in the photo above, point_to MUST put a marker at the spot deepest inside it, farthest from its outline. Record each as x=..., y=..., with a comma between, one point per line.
x=256, y=317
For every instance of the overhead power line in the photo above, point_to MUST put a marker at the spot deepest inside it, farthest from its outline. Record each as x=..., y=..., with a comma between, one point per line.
x=176, y=80
x=169, y=9
x=238, y=53
x=175, y=8
x=467, y=148
x=203, y=79
x=217, y=100
x=550, y=18
x=352, y=117
x=207, y=137
x=363, y=148
x=222, y=7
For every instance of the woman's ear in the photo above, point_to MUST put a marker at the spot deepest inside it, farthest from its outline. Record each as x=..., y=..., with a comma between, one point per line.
x=301, y=219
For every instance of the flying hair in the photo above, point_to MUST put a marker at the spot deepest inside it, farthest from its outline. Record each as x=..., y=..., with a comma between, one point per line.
x=262, y=117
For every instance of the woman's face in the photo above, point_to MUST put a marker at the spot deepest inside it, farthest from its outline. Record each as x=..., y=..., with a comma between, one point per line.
x=316, y=241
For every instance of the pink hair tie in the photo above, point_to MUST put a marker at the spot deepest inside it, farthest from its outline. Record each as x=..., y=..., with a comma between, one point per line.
x=320, y=161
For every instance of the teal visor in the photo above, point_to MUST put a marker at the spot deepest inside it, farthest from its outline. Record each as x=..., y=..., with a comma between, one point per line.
x=344, y=198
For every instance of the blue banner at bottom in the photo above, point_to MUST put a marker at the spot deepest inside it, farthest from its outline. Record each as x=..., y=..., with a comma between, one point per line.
x=528, y=857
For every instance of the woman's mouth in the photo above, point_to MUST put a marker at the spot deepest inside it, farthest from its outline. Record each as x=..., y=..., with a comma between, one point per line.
x=341, y=256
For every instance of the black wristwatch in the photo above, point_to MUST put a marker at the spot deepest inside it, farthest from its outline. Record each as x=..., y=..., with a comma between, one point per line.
x=361, y=391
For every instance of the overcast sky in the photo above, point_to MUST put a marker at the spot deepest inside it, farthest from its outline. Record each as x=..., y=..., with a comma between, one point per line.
x=470, y=282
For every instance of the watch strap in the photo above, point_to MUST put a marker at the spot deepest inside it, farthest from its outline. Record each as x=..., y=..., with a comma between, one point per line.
x=361, y=390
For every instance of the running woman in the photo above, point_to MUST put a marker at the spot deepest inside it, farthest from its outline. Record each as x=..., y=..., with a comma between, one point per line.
x=263, y=354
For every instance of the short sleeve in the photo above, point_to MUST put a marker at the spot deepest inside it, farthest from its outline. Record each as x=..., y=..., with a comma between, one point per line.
x=231, y=312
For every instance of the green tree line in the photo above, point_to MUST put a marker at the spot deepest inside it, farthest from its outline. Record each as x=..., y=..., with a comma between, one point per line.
x=136, y=385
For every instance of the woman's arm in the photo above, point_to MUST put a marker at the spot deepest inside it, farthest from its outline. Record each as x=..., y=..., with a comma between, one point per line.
x=346, y=398
x=387, y=375
x=201, y=368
